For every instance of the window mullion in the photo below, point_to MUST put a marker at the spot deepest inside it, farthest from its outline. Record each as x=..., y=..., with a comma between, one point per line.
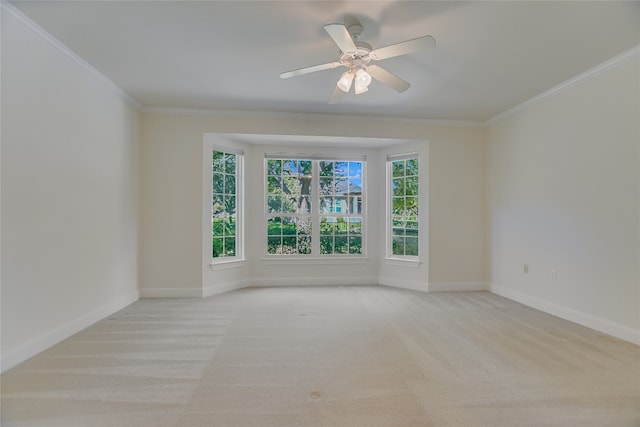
x=315, y=208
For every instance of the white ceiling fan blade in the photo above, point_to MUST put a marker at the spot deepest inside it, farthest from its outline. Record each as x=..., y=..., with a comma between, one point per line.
x=403, y=48
x=341, y=36
x=388, y=78
x=308, y=70
x=336, y=96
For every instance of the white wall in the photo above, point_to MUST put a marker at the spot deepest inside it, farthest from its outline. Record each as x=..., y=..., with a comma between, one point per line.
x=172, y=234
x=69, y=194
x=564, y=197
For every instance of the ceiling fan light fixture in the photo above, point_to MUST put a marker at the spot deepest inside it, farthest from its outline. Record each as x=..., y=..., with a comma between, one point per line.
x=344, y=84
x=363, y=78
x=360, y=88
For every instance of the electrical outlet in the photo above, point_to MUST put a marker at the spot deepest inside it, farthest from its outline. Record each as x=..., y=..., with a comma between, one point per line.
x=525, y=268
x=554, y=275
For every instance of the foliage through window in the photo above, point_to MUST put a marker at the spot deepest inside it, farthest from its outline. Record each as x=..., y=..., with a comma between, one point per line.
x=340, y=207
x=404, y=207
x=304, y=196
x=289, y=206
x=224, y=213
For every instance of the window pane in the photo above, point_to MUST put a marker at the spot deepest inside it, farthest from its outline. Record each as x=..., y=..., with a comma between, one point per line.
x=218, y=204
x=273, y=245
x=355, y=169
x=230, y=164
x=327, y=225
x=224, y=203
x=218, y=183
x=341, y=169
x=305, y=167
x=217, y=227
x=230, y=205
x=217, y=247
x=288, y=226
x=398, y=245
x=341, y=226
x=326, y=245
x=230, y=184
x=274, y=227
x=326, y=205
x=274, y=167
x=397, y=168
x=398, y=187
x=341, y=186
x=289, y=167
x=273, y=204
x=304, y=245
x=412, y=228
x=341, y=245
x=355, y=186
x=411, y=186
x=412, y=167
x=289, y=245
x=273, y=185
x=326, y=186
x=217, y=164
x=355, y=226
x=355, y=205
x=411, y=246
x=411, y=205
x=355, y=245
x=404, y=207
x=398, y=206
x=230, y=246
x=303, y=226
x=326, y=169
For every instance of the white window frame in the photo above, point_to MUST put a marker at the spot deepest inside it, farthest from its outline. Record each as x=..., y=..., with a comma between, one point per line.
x=240, y=254
x=389, y=208
x=315, y=254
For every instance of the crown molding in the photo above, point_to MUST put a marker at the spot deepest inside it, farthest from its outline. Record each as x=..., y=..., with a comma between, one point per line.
x=11, y=10
x=308, y=116
x=587, y=75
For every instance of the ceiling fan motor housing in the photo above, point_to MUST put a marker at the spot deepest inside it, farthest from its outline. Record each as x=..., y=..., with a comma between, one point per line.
x=358, y=58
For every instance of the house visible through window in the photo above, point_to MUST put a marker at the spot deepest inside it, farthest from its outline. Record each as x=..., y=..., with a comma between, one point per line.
x=340, y=207
x=225, y=221
x=314, y=207
x=403, y=206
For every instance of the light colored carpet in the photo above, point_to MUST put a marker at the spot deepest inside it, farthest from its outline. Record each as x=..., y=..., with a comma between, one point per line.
x=329, y=356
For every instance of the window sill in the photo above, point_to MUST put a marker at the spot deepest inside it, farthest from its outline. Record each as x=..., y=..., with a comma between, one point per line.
x=403, y=262
x=315, y=260
x=224, y=265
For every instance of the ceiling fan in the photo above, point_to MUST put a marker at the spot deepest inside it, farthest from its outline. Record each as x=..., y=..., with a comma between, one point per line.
x=357, y=56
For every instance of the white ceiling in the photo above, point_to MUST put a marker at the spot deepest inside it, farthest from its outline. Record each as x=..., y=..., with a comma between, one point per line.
x=490, y=56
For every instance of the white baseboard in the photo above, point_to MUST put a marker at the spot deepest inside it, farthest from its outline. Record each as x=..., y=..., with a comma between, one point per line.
x=584, y=319
x=226, y=287
x=171, y=293
x=39, y=344
x=457, y=286
x=404, y=284
x=315, y=281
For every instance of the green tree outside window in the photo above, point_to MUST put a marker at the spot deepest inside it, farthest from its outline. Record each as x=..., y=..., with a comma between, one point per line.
x=404, y=207
x=224, y=202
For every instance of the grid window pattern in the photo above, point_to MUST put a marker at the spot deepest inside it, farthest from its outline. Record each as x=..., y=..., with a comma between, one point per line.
x=341, y=197
x=314, y=207
x=224, y=218
x=289, y=207
x=404, y=207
